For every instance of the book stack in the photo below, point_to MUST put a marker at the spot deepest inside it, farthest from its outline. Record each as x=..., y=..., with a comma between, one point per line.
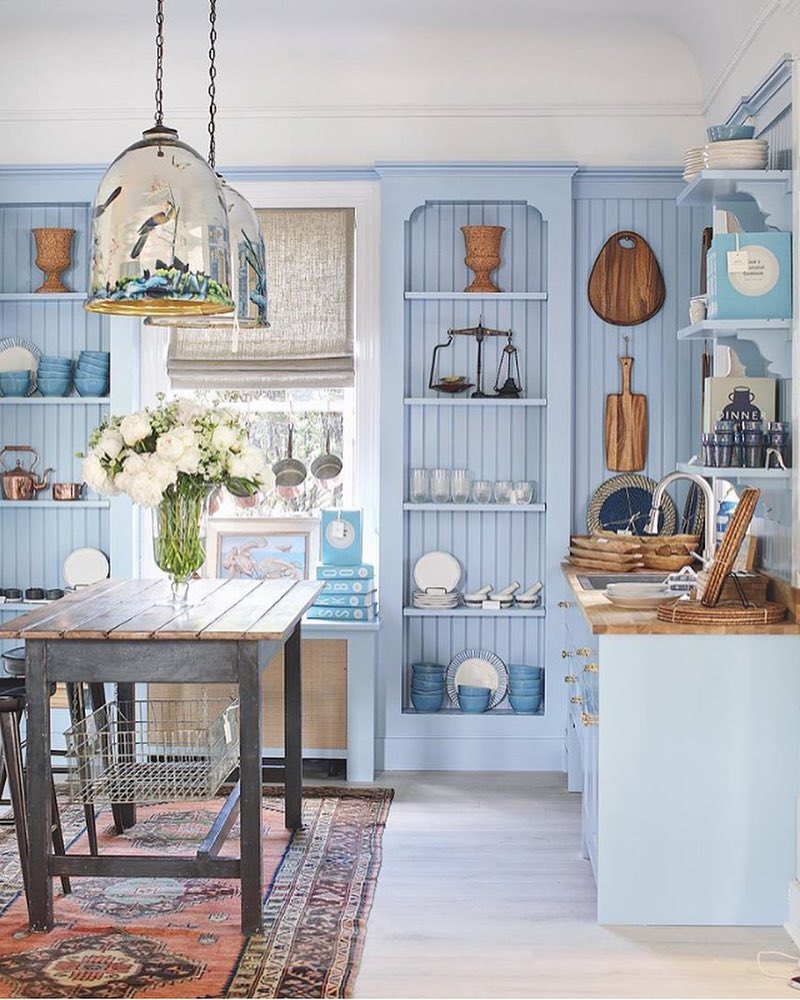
x=349, y=594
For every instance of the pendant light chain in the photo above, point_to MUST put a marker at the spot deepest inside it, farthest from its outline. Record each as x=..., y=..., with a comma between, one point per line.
x=212, y=87
x=159, y=62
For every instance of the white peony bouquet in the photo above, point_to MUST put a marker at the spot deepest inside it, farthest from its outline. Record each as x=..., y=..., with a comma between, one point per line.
x=176, y=446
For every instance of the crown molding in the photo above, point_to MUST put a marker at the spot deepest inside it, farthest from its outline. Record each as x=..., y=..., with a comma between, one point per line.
x=766, y=13
x=142, y=116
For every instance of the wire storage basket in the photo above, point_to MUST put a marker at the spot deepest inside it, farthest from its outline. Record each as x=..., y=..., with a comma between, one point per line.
x=149, y=751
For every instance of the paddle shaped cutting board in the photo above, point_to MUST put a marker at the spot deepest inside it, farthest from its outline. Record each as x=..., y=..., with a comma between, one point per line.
x=626, y=286
x=626, y=425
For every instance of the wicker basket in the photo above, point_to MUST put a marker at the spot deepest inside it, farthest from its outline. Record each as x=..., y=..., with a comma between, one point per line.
x=724, y=613
x=153, y=751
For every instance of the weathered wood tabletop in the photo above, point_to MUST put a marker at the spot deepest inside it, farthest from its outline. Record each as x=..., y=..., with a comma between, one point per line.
x=126, y=632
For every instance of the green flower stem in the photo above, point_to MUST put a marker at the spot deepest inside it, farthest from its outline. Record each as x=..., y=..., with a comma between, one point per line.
x=179, y=532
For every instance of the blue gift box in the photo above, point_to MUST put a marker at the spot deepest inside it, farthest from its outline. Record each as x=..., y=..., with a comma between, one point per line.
x=341, y=537
x=763, y=290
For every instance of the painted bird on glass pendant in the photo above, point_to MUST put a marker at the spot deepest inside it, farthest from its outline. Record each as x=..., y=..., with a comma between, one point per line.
x=157, y=219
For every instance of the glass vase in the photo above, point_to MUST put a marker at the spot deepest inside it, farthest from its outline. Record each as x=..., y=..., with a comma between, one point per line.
x=179, y=536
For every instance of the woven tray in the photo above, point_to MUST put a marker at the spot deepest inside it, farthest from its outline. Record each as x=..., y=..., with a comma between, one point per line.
x=724, y=613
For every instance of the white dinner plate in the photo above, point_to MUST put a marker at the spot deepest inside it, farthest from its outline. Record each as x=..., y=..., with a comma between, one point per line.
x=17, y=355
x=85, y=566
x=437, y=571
x=480, y=668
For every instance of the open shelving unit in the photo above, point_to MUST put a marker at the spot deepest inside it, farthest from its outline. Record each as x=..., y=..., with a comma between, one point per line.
x=495, y=438
x=38, y=534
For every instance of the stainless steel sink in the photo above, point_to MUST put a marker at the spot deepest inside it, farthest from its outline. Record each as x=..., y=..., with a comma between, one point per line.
x=599, y=581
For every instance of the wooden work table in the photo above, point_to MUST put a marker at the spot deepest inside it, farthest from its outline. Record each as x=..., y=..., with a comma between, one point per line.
x=603, y=618
x=125, y=632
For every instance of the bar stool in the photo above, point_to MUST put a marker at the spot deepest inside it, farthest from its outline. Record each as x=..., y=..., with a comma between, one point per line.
x=12, y=706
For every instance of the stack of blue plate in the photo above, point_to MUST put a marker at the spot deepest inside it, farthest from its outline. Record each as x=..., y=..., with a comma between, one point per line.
x=15, y=383
x=55, y=376
x=91, y=373
x=525, y=688
x=427, y=686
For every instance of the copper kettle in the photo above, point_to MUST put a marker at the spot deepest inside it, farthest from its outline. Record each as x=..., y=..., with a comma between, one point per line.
x=19, y=483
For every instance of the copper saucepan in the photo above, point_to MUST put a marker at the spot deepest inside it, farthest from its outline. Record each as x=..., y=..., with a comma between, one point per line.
x=67, y=491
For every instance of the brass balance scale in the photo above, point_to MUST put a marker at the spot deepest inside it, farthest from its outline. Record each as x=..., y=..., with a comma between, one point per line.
x=507, y=385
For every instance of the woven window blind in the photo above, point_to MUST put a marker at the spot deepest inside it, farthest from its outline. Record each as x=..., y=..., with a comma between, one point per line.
x=309, y=342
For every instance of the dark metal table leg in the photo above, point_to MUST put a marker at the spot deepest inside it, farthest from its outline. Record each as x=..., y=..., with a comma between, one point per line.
x=293, y=730
x=251, y=820
x=126, y=706
x=39, y=779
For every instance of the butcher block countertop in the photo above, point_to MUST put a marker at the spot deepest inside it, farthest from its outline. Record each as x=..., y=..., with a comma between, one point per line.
x=603, y=618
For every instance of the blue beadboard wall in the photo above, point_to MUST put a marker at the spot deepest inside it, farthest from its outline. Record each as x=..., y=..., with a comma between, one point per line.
x=666, y=371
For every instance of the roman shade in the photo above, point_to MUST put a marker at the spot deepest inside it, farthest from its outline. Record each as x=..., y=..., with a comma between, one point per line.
x=309, y=342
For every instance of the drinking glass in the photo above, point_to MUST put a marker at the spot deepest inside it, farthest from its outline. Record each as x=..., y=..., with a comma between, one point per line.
x=503, y=490
x=524, y=491
x=482, y=491
x=440, y=485
x=459, y=485
x=420, y=485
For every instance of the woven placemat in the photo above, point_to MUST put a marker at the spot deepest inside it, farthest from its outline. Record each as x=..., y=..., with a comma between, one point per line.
x=725, y=556
x=724, y=613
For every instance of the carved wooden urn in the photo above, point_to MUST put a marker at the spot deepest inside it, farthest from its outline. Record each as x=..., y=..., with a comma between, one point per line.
x=53, y=248
x=483, y=255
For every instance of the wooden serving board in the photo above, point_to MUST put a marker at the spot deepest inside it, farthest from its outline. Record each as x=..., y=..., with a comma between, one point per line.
x=626, y=425
x=626, y=286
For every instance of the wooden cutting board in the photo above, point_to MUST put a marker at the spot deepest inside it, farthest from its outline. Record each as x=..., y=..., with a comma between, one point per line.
x=626, y=425
x=626, y=286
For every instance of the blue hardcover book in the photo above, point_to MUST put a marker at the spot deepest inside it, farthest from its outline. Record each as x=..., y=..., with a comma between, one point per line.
x=349, y=586
x=317, y=613
x=346, y=600
x=362, y=571
x=341, y=537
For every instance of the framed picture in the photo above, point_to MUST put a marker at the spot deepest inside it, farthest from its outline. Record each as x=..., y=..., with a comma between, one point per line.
x=262, y=548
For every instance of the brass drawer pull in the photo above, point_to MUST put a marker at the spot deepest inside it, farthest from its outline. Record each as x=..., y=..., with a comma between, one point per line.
x=570, y=679
x=583, y=651
x=566, y=654
x=565, y=604
x=591, y=668
x=576, y=699
x=588, y=719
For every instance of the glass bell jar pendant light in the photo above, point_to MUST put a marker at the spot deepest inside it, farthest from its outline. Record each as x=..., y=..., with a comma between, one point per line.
x=160, y=232
x=248, y=256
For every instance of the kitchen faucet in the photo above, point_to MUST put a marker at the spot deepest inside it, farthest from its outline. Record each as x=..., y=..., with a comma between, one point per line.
x=651, y=528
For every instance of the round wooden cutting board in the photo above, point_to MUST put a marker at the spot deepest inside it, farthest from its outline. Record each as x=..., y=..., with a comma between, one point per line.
x=626, y=286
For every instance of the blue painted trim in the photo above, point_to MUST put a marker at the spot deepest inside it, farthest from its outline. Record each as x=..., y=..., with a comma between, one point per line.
x=628, y=182
x=299, y=174
x=751, y=104
x=473, y=169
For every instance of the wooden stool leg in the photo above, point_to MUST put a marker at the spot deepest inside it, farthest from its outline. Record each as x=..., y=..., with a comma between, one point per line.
x=12, y=751
x=58, y=838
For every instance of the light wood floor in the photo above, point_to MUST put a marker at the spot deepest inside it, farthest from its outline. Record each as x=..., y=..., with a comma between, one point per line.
x=483, y=893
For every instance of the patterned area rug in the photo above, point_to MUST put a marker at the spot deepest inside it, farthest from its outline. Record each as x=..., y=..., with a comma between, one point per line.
x=180, y=937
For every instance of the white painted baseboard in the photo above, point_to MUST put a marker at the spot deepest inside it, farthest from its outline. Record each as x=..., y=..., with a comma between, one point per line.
x=472, y=755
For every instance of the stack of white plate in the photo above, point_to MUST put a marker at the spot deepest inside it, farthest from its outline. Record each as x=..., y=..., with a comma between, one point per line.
x=736, y=154
x=420, y=599
x=639, y=596
x=693, y=162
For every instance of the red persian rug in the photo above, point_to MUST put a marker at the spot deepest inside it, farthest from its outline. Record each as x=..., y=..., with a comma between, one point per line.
x=180, y=937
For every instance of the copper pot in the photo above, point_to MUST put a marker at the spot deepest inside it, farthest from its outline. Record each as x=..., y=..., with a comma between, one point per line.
x=67, y=491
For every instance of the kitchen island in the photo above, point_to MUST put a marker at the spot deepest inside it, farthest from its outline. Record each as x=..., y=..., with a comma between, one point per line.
x=685, y=743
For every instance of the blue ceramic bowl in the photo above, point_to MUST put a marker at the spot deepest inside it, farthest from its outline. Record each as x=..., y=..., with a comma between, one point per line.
x=473, y=706
x=51, y=361
x=526, y=704
x=54, y=386
x=427, y=702
x=90, y=386
x=426, y=686
x=54, y=372
x=724, y=133
x=14, y=383
x=428, y=668
x=100, y=372
x=523, y=668
x=472, y=691
x=525, y=687
x=96, y=355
